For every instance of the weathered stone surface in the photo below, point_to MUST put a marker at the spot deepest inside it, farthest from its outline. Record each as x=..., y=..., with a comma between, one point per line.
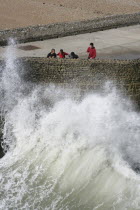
x=89, y=74
x=86, y=74
x=41, y=32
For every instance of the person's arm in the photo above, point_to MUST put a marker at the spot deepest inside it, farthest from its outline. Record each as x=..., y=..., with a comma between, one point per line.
x=48, y=55
x=66, y=53
x=58, y=54
x=77, y=56
x=88, y=50
x=54, y=55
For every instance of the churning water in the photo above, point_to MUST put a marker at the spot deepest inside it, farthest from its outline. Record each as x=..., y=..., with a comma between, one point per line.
x=66, y=152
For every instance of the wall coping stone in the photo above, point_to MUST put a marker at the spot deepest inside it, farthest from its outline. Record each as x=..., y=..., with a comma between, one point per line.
x=86, y=61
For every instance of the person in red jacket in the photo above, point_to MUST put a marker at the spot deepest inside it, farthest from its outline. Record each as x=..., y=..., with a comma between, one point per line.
x=62, y=54
x=91, y=51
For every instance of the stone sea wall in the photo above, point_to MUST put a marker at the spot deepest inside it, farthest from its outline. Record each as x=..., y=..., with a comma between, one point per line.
x=86, y=74
x=41, y=32
x=83, y=74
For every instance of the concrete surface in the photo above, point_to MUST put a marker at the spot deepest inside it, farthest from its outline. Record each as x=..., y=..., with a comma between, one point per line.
x=121, y=43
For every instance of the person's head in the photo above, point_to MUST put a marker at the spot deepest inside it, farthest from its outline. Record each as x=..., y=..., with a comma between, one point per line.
x=61, y=51
x=72, y=53
x=52, y=51
x=91, y=45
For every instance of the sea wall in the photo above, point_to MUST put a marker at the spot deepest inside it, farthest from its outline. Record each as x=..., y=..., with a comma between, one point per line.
x=83, y=74
x=41, y=32
x=86, y=74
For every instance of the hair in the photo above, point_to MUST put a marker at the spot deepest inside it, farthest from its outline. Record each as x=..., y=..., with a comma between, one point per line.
x=91, y=44
x=61, y=50
x=52, y=49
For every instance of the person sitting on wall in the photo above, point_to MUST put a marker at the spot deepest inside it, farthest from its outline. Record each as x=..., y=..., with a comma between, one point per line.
x=52, y=54
x=91, y=51
x=62, y=54
x=73, y=55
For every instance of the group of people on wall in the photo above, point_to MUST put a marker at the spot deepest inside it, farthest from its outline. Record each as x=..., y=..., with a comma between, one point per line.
x=91, y=53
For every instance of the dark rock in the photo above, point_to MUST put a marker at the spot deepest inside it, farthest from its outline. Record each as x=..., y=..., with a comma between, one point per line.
x=136, y=167
x=1, y=140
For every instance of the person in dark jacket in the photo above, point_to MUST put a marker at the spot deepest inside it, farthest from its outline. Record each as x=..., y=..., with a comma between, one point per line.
x=91, y=51
x=73, y=55
x=52, y=54
x=62, y=54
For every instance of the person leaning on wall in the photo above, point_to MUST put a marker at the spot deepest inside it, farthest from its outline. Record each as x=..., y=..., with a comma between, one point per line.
x=91, y=51
x=73, y=55
x=62, y=54
x=52, y=54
